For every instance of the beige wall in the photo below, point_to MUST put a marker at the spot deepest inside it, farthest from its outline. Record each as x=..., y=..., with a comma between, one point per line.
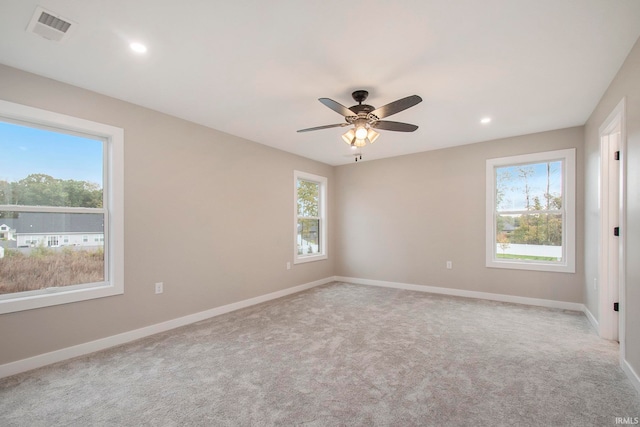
x=229, y=202
x=401, y=219
x=625, y=84
x=209, y=214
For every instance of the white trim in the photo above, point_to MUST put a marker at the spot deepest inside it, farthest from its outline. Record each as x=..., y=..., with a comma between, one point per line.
x=574, y=306
x=41, y=360
x=568, y=265
x=113, y=190
x=631, y=374
x=592, y=319
x=323, y=250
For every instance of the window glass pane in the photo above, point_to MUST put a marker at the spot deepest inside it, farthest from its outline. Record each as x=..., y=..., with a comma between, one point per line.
x=308, y=236
x=308, y=198
x=534, y=186
x=534, y=237
x=42, y=250
x=45, y=168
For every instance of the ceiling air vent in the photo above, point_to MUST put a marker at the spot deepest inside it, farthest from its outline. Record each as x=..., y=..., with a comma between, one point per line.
x=50, y=25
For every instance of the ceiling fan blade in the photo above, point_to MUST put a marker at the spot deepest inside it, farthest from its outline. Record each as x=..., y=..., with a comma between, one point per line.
x=395, y=126
x=396, y=106
x=337, y=107
x=339, y=125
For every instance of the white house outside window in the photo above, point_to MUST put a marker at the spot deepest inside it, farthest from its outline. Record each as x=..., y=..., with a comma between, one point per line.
x=531, y=211
x=310, y=217
x=60, y=182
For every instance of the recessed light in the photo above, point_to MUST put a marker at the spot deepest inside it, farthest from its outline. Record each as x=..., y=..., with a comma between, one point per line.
x=485, y=120
x=138, y=47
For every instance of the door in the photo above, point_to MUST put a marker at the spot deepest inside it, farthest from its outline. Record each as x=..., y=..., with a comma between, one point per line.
x=611, y=228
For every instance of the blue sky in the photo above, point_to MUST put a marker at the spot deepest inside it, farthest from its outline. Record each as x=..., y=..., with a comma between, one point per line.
x=26, y=150
x=514, y=188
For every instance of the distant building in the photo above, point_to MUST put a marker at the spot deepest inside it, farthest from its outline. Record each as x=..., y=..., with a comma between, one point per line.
x=508, y=228
x=31, y=229
x=6, y=232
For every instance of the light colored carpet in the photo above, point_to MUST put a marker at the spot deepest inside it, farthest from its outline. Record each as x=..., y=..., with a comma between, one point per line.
x=342, y=355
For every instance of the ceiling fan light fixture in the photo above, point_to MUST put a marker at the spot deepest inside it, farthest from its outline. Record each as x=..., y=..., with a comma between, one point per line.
x=361, y=132
x=360, y=142
x=363, y=118
x=372, y=135
x=349, y=137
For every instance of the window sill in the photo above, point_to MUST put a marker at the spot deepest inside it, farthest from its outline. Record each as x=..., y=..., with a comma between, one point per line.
x=57, y=296
x=310, y=258
x=531, y=266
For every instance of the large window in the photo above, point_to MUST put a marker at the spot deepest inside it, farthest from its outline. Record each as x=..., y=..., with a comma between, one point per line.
x=61, y=204
x=531, y=211
x=310, y=217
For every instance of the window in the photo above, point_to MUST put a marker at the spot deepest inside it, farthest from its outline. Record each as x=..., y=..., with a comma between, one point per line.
x=310, y=217
x=531, y=211
x=59, y=176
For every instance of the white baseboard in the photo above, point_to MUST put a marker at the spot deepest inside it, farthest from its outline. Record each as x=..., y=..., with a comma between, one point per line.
x=631, y=374
x=41, y=360
x=464, y=293
x=592, y=319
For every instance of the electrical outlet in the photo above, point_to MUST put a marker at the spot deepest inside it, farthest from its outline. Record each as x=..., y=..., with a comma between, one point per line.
x=288, y=266
x=159, y=288
x=449, y=265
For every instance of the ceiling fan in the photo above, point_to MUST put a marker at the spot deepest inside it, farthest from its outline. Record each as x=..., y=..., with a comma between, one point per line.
x=365, y=118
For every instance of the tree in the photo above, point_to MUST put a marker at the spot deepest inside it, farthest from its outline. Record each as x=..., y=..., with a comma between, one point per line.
x=45, y=190
x=537, y=226
x=308, y=208
x=523, y=234
x=308, y=198
x=503, y=178
x=503, y=242
x=524, y=172
x=82, y=193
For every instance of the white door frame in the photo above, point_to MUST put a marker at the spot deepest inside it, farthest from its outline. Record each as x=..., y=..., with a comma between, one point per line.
x=609, y=267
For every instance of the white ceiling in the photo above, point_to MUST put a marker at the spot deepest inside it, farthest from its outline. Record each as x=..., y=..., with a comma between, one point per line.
x=255, y=68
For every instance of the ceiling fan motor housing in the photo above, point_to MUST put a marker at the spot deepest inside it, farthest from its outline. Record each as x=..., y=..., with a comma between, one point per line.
x=361, y=109
x=360, y=95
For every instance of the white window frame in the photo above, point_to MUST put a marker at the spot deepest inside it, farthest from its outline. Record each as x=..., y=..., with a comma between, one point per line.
x=568, y=158
x=113, y=208
x=322, y=208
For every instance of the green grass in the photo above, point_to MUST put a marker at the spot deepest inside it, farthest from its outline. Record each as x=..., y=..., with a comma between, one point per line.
x=527, y=257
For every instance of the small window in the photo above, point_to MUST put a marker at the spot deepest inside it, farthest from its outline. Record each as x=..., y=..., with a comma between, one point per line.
x=531, y=211
x=310, y=217
x=45, y=197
